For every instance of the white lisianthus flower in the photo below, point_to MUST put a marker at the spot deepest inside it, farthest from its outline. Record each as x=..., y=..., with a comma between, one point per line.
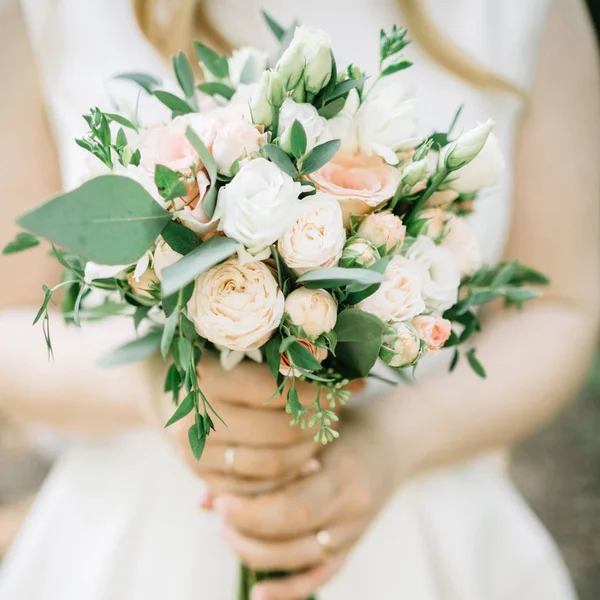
x=314, y=125
x=460, y=239
x=415, y=172
x=313, y=310
x=236, y=306
x=258, y=205
x=246, y=65
x=307, y=58
x=267, y=95
x=401, y=345
x=341, y=126
x=386, y=122
x=399, y=297
x=483, y=170
x=439, y=272
x=316, y=239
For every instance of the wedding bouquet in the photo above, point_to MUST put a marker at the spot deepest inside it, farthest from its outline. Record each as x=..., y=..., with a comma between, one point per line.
x=288, y=213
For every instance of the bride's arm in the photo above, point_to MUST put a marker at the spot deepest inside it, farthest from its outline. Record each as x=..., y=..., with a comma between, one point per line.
x=70, y=392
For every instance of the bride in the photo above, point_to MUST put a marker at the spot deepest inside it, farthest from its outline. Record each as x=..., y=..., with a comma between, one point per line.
x=409, y=503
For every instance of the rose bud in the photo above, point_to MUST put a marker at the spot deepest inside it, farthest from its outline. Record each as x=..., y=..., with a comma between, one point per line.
x=401, y=345
x=285, y=367
x=313, y=310
x=359, y=253
x=383, y=229
x=434, y=331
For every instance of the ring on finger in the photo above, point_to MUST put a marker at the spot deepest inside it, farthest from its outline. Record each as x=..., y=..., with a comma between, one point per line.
x=325, y=543
x=230, y=453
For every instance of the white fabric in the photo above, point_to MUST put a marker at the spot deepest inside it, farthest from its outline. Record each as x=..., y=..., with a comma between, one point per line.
x=118, y=519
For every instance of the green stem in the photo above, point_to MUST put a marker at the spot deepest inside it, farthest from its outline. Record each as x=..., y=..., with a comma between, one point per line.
x=436, y=181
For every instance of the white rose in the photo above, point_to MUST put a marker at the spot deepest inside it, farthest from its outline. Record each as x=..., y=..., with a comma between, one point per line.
x=460, y=239
x=386, y=122
x=316, y=239
x=306, y=114
x=246, y=65
x=401, y=345
x=441, y=277
x=482, y=171
x=308, y=57
x=258, y=205
x=236, y=306
x=399, y=297
x=164, y=256
x=313, y=310
x=359, y=253
x=383, y=229
x=233, y=141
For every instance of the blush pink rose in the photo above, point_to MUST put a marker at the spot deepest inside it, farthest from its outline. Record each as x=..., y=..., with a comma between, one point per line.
x=358, y=182
x=460, y=239
x=383, y=229
x=434, y=331
x=436, y=222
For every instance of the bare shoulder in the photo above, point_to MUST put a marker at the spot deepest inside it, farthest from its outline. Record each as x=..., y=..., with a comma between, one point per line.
x=28, y=164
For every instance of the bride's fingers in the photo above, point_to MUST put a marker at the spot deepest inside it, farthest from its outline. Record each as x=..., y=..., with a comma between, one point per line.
x=223, y=485
x=292, y=555
x=300, y=586
x=258, y=463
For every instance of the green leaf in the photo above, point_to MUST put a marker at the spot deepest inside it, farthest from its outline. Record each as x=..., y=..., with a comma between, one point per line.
x=145, y=81
x=141, y=312
x=276, y=155
x=272, y=355
x=274, y=26
x=207, y=255
x=168, y=183
x=215, y=63
x=286, y=277
x=395, y=67
x=504, y=274
x=170, y=303
x=528, y=275
x=293, y=405
x=216, y=88
x=188, y=329
x=210, y=200
x=298, y=139
x=197, y=439
x=111, y=220
x=475, y=364
x=47, y=297
x=22, y=241
x=183, y=410
x=320, y=156
x=519, y=295
x=302, y=357
x=454, y=360
x=335, y=277
x=341, y=89
x=180, y=238
x=175, y=103
x=121, y=120
x=184, y=74
x=169, y=331
x=331, y=109
x=135, y=351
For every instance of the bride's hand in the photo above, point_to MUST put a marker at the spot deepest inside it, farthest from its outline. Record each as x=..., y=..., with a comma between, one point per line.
x=311, y=524
x=257, y=450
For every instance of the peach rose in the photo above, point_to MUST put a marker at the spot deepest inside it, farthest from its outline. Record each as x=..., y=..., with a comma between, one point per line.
x=436, y=222
x=359, y=183
x=235, y=305
x=313, y=310
x=434, y=331
x=286, y=368
x=383, y=229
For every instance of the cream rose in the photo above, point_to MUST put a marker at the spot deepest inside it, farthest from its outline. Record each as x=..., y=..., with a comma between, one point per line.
x=399, y=297
x=359, y=253
x=285, y=366
x=383, y=229
x=236, y=306
x=316, y=239
x=258, y=205
x=164, y=256
x=434, y=331
x=440, y=275
x=460, y=239
x=313, y=310
x=401, y=345
x=359, y=183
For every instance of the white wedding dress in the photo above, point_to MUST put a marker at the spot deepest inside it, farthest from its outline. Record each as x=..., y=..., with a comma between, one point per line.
x=118, y=519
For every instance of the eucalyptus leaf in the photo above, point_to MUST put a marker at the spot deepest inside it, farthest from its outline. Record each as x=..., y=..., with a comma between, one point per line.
x=215, y=63
x=185, y=408
x=169, y=332
x=395, y=67
x=121, y=120
x=197, y=439
x=207, y=255
x=175, y=103
x=341, y=89
x=184, y=74
x=22, y=241
x=298, y=139
x=333, y=108
x=216, y=88
x=144, y=80
x=302, y=357
x=274, y=26
x=110, y=220
x=168, y=183
x=319, y=156
x=335, y=277
x=272, y=355
x=132, y=352
x=210, y=200
x=475, y=364
x=180, y=238
x=276, y=155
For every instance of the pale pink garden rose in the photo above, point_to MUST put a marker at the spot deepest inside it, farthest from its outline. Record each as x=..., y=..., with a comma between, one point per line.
x=236, y=141
x=164, y=256
x=285, y=366
x=359, y=183
x=313, y=310
x=383, y=229
x=237, y=306
x=401, y=345
x=436, y=222
x=316, y=239
x=460, y=239
x=434, y=331
x=399, y=297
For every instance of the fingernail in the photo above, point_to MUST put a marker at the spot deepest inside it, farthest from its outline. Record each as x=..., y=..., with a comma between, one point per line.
x=207, y=501
x=312, y=466
x=259, y=594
